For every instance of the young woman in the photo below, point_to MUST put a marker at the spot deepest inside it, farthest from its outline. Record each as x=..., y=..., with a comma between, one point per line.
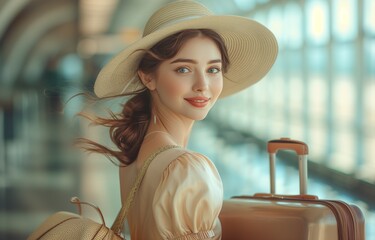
x=186, y=60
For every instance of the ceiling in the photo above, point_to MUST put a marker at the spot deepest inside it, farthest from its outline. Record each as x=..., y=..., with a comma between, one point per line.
x=112, y=24
x=36, y=33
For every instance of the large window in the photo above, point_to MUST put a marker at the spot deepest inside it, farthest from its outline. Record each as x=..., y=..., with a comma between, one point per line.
x=345, y=20
x=317, y=27
x=369, y=17
x=321, y=88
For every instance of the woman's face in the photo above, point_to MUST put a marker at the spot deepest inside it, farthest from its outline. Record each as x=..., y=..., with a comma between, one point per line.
x=190, y=82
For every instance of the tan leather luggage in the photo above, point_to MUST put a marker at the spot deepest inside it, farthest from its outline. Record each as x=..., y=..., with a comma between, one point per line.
x=284, y=217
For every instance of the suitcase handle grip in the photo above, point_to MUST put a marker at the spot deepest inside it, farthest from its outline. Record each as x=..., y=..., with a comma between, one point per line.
x=300, y=148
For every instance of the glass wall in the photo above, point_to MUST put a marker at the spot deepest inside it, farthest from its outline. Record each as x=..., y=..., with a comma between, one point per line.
x=321, y=89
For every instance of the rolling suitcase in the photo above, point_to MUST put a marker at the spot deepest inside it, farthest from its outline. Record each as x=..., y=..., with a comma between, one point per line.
x=270, y=216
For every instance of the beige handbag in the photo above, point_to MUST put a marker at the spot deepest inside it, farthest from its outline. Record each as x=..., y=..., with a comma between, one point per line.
x=67, y=225
x=71, y=226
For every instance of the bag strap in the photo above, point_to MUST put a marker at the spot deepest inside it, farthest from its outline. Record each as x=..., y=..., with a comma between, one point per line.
x=118, y=224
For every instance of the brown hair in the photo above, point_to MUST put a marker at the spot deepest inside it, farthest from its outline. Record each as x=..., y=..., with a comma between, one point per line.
x=128, y=128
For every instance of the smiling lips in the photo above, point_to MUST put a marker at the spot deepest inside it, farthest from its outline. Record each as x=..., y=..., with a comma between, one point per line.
x=198, y=102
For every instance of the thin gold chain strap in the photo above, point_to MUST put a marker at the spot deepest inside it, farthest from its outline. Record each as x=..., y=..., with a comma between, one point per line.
x=118, y=224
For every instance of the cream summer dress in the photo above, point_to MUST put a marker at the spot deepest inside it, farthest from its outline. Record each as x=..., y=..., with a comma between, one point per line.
x=180, y=198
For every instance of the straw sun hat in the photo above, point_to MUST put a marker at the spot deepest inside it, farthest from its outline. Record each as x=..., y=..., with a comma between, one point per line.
x=252, y=48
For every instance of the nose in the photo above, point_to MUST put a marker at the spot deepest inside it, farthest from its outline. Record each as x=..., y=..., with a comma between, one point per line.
x=201, y=82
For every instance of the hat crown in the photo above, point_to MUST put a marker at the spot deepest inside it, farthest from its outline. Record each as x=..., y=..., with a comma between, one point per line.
x=175, y=12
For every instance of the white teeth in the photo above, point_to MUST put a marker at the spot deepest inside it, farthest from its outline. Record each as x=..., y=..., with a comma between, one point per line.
x=199, y=101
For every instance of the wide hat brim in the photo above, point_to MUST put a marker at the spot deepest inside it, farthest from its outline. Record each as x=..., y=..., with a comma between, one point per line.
x=252, y=50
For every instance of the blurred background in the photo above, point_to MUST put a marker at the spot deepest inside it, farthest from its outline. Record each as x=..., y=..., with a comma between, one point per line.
x=321, y=90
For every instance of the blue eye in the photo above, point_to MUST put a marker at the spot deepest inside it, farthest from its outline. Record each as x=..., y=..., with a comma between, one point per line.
x=214, y=70
x=182, y=70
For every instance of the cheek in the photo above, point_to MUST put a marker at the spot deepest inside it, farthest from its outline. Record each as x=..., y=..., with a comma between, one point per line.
x=217, y=86
x=171, y=88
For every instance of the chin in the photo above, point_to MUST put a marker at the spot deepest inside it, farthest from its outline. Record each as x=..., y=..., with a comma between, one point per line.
x=200, y=117
x=197, y=115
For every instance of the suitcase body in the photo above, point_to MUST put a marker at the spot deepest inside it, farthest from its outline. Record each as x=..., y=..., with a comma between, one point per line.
x=269, y=216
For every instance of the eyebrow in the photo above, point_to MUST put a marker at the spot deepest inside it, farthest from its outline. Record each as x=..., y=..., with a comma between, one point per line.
x=178, y=60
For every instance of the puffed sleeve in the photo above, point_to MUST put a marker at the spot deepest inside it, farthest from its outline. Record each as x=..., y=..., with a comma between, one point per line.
x=188, y=199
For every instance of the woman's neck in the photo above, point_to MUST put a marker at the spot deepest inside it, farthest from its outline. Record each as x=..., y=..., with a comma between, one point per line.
x=179, y=133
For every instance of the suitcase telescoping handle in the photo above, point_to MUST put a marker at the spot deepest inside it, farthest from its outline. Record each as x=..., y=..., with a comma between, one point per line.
x=302, y=151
